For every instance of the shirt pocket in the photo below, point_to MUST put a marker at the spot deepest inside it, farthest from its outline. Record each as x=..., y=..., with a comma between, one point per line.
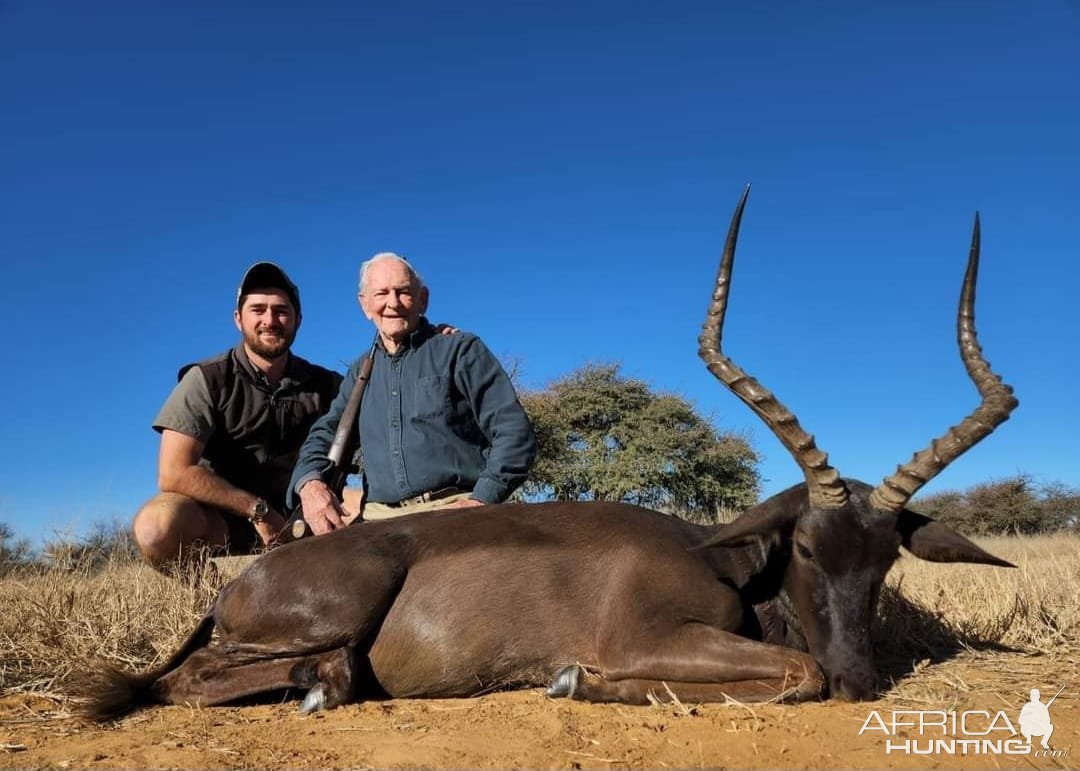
x=432, y=397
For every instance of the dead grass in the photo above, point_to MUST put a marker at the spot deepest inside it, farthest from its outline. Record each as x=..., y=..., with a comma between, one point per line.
x=54, y=622
x=57, y=620
x=1034, y=607
x=1023, y=624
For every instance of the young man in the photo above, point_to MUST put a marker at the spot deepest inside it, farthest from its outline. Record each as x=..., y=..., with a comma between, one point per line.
x=231, y=431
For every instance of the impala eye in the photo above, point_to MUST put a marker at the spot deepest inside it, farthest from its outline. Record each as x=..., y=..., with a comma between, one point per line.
x=803, y=551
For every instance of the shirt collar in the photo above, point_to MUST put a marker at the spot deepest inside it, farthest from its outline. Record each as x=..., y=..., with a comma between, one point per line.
x=423, y=331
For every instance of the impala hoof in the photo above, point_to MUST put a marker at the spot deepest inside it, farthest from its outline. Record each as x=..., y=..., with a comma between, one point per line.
x=565, y=682
x=314, y=701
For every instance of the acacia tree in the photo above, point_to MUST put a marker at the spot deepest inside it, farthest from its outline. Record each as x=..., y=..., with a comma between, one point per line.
x=603, y=437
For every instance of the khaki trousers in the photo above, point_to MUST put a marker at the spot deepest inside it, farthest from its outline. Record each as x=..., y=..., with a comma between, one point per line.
x=374, y=510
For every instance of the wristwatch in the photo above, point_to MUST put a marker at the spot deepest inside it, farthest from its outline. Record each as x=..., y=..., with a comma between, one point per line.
x=259, y=510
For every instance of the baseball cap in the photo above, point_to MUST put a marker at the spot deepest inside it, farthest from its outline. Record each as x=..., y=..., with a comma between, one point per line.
x=266, y=274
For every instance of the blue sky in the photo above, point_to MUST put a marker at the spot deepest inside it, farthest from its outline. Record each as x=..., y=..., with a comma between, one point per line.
x=562, y=174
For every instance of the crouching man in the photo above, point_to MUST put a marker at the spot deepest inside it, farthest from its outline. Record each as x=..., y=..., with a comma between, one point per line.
x=231, y=431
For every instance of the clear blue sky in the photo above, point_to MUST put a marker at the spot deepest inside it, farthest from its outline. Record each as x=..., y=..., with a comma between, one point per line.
x=562, y=173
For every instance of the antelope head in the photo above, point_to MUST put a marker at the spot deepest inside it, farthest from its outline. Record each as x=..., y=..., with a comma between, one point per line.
x=840, y=536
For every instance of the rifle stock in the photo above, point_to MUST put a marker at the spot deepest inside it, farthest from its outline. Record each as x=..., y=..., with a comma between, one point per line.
x=340, y=452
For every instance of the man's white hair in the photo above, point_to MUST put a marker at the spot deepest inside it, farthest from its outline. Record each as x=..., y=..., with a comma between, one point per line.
x=383, y=256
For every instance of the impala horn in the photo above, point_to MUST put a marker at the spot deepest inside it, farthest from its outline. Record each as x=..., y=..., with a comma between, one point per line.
x=825, y=488
x=997, y=402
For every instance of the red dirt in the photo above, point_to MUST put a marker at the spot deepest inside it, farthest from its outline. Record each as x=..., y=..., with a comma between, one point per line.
x=527, y=730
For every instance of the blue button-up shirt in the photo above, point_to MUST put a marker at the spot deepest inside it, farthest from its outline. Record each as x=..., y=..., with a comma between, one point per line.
x=441, y=412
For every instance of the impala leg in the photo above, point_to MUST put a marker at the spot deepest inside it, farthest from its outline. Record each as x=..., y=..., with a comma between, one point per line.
x=334, y=686
x=212, y=676
x=576, y=682
x=703, y=662
x=695, y=652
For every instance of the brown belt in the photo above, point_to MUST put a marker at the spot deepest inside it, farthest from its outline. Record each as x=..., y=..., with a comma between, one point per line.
x=434, y=495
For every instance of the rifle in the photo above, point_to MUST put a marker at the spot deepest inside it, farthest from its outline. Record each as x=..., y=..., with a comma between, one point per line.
x=340, y=460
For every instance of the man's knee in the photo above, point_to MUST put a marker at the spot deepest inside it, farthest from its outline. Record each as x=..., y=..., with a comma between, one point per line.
x=166, y=524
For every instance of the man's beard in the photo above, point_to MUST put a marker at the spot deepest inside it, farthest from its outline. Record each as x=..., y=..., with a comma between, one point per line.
x=270, y=350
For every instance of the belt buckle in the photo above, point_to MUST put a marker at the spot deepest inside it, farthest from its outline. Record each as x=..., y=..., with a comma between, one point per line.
x=442, y=492
x=428, y=497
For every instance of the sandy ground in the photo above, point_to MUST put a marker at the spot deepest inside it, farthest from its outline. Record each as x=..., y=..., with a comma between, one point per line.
x=527, y=730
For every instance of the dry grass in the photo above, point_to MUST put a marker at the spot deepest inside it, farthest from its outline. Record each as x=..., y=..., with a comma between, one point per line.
x=1022, y=624
x=1032, y=608
x=55, y=622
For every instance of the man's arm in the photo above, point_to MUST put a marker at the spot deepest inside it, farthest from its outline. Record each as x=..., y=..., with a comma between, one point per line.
x=186, y=423
x=179, y=472
x=321, y=508
x=501, y=418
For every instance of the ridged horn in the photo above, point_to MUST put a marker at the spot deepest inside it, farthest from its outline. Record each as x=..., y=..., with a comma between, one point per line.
x=823, y=482
x=997, y=403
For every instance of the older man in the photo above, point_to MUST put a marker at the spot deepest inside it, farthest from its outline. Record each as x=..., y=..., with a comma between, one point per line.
x=231, y=431
x=440, y=424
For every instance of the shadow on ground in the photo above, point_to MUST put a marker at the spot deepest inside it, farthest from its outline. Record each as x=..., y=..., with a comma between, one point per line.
x=908, y=634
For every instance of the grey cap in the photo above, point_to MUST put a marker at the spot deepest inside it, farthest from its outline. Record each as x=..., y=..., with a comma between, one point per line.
x=263, y=275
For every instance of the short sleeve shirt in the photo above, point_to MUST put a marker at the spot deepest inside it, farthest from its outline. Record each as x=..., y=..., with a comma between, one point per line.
x=189, y=408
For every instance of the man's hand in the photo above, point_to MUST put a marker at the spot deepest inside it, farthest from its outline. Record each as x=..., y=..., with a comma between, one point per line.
x=322, y=510
x=270, y=526
x=466, y=503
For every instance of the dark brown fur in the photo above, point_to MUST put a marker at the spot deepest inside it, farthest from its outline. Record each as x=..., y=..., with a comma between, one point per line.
x=460, y=602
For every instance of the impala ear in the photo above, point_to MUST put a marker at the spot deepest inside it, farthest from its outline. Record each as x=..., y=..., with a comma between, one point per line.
x=762, y=521
x=762, y=526
x=935, y=542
